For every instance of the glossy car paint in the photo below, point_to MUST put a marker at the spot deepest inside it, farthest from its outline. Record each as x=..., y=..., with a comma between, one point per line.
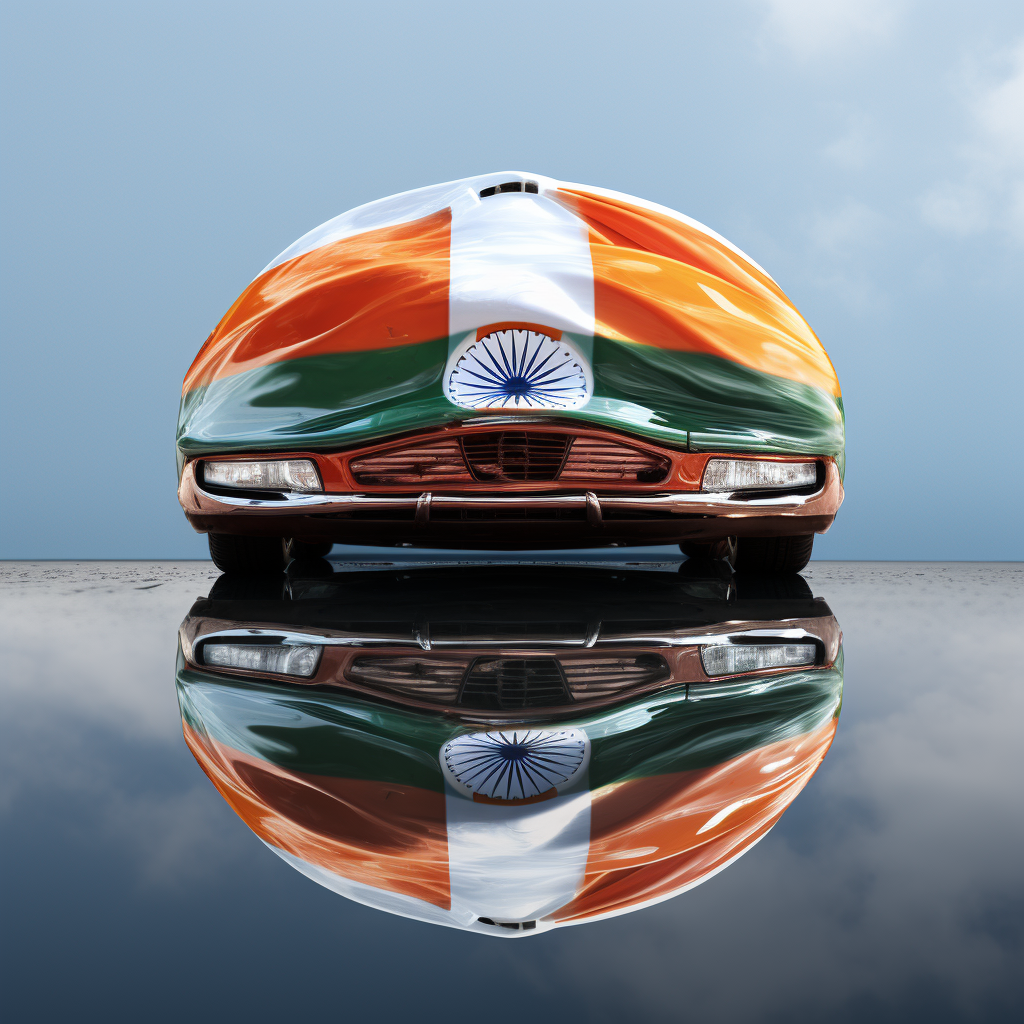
x=345, y=337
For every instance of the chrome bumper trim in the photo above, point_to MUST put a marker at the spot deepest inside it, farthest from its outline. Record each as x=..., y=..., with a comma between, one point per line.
x=192, y=634
x=825, y=501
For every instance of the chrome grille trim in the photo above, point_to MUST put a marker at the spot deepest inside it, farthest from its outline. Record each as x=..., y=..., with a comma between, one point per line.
x=503, y=456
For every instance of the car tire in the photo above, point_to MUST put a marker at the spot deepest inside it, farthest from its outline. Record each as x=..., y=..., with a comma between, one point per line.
x=247, y=556
x=724, y=549
x=233, y=586
x=302, y=549
x=773, y=556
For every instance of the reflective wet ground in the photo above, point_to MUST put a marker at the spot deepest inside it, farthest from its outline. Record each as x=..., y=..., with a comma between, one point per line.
x=681, y=792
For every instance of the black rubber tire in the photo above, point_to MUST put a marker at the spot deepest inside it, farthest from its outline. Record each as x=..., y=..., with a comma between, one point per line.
x=302, y=549
x=773, y=556
x=247, y=556
x=718, y=550
x=233, y=586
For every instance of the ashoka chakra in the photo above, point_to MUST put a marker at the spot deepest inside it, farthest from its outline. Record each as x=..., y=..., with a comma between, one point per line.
x=515, y=764
x=518, y=369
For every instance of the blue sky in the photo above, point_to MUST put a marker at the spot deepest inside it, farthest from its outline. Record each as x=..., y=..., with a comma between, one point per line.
x=869, y=155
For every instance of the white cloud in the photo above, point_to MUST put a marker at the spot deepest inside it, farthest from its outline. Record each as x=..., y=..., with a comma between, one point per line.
x=841, y=238
x=1000, y=113
x=988, y=191
x=956, y=208
x=97, y=640
x=816, y=28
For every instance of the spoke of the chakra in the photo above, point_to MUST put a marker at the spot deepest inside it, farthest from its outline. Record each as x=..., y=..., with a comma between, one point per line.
x=506, y=370
x=546, y=379
x=485, y=372
x=490, y=381
x=504, y=359
x=527, y=368
x=490, y=355
x=547, y=359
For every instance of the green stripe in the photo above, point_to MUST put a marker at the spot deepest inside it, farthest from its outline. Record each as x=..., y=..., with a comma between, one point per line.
x=343, y=399
x=731, y=719
x=336, y=734
x=721, y=404
x=313, y=733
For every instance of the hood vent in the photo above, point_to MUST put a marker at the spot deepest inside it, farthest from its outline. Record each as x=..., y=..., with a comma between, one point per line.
x=509, y=186
x=517, y=925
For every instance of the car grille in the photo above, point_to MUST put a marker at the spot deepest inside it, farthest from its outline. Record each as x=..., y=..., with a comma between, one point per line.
x=440, y=462
x=433, y=679
x=511, y=456
x=508, y=684
x=593, y=459
x=501, y=683
x=591, y=678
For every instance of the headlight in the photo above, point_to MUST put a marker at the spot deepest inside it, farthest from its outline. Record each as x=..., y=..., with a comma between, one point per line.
x=274, y=659
x=735, y=659
x=752, y=475
x=279, y=475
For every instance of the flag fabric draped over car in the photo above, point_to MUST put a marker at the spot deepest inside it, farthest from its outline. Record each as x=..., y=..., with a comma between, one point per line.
x=349, y=335
x=658, y=794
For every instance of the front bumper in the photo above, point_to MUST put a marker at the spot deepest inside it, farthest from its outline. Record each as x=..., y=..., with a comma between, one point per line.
x=516, y=521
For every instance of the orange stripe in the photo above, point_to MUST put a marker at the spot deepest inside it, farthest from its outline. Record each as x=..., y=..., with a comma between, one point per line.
x=644, y=834
x=380, y=289
x=660, y=282
x=515, y=325
x=384, y=835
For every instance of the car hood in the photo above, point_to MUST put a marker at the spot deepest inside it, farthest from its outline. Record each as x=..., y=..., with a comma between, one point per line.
x=345, y=337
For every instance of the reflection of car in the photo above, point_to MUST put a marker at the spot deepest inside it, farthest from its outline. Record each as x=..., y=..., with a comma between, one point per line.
x=510, y=361
x=513, y=752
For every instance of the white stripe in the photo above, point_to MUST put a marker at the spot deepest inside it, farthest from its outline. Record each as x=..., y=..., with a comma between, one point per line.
x=516, y=863
x=520, y=257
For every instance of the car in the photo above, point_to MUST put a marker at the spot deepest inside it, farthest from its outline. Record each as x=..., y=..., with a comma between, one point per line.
x=512, y=362
x=510, y=749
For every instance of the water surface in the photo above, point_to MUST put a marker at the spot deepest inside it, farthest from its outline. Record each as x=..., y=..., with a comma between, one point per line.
x=889, y=884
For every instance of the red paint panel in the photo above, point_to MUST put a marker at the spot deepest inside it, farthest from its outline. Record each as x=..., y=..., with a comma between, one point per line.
x=384, y=835
x=659, y=281
x=645, y=834
x=380, y=289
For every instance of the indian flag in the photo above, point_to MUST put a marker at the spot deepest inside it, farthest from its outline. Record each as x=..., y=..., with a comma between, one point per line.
x=511, y=830
x=359, y=329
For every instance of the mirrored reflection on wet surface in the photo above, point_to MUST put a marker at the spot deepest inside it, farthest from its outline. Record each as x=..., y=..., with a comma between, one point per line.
x=635, y=748
x=510, y=749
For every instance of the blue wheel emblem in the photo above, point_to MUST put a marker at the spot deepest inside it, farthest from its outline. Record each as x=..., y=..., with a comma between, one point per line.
x=518, y=369
x=515, y=764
